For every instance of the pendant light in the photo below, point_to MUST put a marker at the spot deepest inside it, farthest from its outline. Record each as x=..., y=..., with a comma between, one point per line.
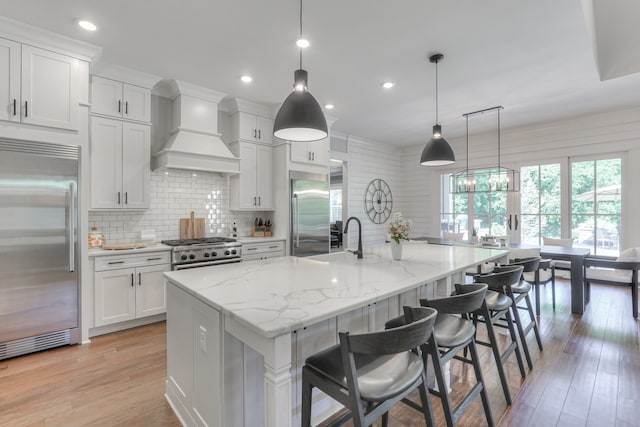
x=300, y=117
x=437, y=152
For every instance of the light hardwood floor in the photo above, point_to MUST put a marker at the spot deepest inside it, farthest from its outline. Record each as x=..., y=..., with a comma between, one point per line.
x=587, y=375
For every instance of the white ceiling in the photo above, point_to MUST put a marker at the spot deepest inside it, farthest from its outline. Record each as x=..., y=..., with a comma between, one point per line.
x=535, y=58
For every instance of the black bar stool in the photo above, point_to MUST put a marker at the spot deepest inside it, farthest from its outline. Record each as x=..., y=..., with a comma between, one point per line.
x=497, y=311
x=451, y=334
x=545, y=273
x=375, y=370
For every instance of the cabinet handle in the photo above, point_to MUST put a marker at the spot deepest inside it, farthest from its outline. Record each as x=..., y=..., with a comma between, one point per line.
x=118, y=197
x=126, y=107
x=26, y=108
x=126, y=198
x=274, y=247
x=309, y=155
x=255, y=133
x=139, y=279
x=259, y=134
x=14, y=107
x=119, y=106
x=259, y=201
x=115, y=262
x=251, y=249
x=313, y=156
x=132, y=280
x=154, y=259
x=254, y=201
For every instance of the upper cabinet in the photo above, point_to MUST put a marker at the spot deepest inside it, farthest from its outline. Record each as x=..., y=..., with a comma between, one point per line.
x=116, y=99
x=251, y=127
x=38, y=87
x=252, y=189
x=315, y=152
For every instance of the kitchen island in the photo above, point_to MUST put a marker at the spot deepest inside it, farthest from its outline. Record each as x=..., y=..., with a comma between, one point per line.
x=238, y=334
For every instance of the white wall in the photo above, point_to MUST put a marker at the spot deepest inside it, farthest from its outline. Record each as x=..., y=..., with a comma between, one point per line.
x=367, y=161
x=615, y=131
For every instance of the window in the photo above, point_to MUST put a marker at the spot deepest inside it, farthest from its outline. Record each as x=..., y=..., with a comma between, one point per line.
x=453, y=209
x=335, y=197
x=540, y=202
x=596, y=206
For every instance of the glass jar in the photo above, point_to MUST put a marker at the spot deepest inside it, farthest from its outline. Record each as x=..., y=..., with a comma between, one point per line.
x=96, y=238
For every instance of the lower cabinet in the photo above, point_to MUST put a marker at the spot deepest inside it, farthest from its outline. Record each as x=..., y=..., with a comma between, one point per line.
x=262, y=250
x=123, y=293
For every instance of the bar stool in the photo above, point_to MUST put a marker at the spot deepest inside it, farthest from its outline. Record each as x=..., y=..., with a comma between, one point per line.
x=451, y=334
x=376, y=369
x=497, y=311
x=545, y=273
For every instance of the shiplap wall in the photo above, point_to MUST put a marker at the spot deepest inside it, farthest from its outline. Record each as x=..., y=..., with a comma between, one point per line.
x=616, y=131
x=367, y=161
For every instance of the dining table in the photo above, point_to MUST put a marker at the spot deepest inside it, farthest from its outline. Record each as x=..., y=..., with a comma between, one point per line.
x=579, y=290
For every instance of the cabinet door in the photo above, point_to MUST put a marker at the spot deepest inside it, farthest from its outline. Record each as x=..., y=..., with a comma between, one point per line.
x=319, y=152
x=300, y=152
x=137, y=103
x=264, y=178
x=264, y=126
x=106, y=163
x=114, y=296
x=247, y=197
x=151, y=297
x=9, y=80
x=49, y=88
x=136, y=173
x=106, y=96
x=247, y=129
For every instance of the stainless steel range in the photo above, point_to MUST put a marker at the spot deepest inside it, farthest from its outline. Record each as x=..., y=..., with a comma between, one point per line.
x=192, y=253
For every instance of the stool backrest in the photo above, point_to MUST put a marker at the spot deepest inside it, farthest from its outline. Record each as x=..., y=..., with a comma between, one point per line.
x=504, y=276
x=417, y=330
x=464, y=302
x=528, y=264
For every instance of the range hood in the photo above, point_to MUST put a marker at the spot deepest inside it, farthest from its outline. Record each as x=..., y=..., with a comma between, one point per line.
x=194, y=142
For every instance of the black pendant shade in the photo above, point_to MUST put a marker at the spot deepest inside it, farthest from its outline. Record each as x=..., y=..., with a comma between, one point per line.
x=437, y=152
x=300, y=117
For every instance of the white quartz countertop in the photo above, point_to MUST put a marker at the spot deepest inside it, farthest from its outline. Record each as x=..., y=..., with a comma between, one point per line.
x=249, y=240
x=156, y=247
x=278, y=295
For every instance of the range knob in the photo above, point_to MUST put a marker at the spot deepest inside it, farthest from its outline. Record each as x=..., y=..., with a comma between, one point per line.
x=233, y=252
x=192, y=256
x=227, y=252
x=183, y=257
x=206, y=255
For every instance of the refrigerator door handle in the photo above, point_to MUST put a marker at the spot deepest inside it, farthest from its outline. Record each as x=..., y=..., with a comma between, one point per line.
x=295, y=198
x=72, y=226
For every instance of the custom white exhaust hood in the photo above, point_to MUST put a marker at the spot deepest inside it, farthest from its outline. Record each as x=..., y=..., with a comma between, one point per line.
x=194, y=142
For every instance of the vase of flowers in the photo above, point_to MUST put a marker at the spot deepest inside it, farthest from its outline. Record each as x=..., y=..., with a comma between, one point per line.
x=398, y=230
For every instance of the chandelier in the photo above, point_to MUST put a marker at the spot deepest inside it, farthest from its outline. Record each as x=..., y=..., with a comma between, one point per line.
x=488, y=179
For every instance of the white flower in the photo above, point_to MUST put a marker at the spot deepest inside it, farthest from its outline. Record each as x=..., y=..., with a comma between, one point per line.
x=399, y=227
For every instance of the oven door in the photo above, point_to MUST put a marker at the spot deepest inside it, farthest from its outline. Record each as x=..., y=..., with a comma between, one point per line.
x=205, y=263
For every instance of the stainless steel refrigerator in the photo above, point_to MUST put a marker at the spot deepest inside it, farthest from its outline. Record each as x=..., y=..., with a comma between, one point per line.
x=38, y=247
x=309, y=214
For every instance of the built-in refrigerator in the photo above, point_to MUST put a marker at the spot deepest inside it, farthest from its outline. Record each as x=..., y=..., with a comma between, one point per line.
x=38, y=247
x=310, y=233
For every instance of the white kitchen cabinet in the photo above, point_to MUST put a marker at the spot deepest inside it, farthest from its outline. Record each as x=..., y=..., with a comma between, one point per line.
x=252, y=188
x=38, y=87
x=120, y=164
x=315, y=152
x=251, y=127
x=262, y=250
x=129, y=287
x=117, y=99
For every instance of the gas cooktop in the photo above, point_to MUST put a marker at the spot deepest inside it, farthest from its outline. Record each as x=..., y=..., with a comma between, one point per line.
x=200, y=241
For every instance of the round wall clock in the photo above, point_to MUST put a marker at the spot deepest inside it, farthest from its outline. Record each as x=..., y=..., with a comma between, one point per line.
x=378, y=201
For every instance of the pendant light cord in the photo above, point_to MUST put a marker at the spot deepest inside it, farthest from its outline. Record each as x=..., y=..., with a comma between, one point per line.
x=301, y=33
x=499, y=139
x=467, y=117
x=436, y=91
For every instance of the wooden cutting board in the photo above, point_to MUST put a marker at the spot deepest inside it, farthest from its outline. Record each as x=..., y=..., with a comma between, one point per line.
x=192, y=227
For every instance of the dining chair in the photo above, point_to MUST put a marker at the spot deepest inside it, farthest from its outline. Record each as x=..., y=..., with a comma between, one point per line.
x=567, y=243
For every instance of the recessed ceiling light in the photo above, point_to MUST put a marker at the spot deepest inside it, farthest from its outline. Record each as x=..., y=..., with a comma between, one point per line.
x=89, y=26
x=329, y=106
x=302, y=43
x=246, y=78
x=388, y=85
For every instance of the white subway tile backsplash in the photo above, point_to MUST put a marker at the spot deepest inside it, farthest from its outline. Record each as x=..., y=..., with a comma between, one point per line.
x=174, y=196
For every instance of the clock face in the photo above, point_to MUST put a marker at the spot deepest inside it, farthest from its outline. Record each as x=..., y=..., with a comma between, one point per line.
x=378, y=201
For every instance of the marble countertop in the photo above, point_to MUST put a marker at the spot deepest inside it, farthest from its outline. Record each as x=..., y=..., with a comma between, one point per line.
x=278, y=295
x=155, y=247
x=248, y=240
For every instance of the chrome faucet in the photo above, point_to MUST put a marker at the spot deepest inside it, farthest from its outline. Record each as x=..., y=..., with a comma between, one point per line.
x=346, y=228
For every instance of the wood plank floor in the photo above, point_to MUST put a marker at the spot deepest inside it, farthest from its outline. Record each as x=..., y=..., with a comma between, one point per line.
x=587, y=375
